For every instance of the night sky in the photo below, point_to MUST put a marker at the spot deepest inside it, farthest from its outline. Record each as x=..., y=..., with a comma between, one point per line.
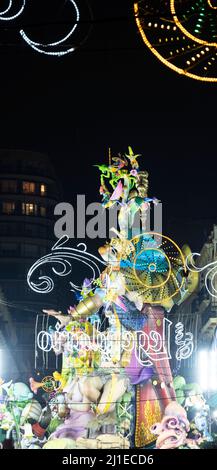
x=111, y=92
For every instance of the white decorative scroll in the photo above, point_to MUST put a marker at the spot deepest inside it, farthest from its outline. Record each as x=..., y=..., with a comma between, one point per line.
x=149, y=348
x=61, y=256
x=44, y=48
x=184, y=341
x=210, y=276
x=15, y=15
x=153, y=347
x=48, y=48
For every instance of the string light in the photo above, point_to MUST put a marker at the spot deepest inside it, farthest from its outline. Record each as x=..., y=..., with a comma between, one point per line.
x=210, y=5
x=8, y=18
x=140, y=270
x=167, y=61
x=7, y=9
x=210, y=276
x=186, y=346
x=39, y=47
x=185, y=31
x=61, y=256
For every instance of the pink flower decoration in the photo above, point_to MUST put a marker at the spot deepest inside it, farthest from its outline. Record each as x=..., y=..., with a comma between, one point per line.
x=133, y=172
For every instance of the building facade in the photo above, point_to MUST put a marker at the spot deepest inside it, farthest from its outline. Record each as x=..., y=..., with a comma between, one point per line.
x=29, y=191
x=199, y=312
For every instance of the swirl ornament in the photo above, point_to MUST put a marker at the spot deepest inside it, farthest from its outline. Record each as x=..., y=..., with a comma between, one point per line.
x=184, y=342
x=61, y=256
x=60, y=47
x=13, y=16
x=44, y=48
x=171, y=433
x=173, y=428
x=155, y=268
x=210, y=276
x=182, y=34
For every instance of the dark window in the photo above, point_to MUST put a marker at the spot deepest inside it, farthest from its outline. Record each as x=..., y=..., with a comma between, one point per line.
x=43, y=251
x=9, y=186
x=43, y=211
x=8, y=207
x=29, y=250
x=9, y=248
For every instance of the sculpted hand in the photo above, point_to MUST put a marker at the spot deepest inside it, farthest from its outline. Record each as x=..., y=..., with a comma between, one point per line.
x=63, y=319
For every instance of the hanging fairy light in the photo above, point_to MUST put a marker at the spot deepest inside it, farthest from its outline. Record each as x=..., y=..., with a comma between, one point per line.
x=15, y=15
x=42, y=48
x=181, y=34
x=56, y=48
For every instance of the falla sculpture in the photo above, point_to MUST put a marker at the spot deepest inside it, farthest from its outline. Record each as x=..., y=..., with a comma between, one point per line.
x=107, y=395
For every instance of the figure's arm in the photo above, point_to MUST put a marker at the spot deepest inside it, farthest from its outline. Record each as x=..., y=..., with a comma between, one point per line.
x=63, y=319
x=85, y=308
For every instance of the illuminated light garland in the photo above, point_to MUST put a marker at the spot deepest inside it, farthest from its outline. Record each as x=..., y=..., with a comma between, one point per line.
x=185, y=346
x=8, y=18
x=151, y=270
x=7, y=9
x=37, y=46
x=210, y=276
x=61, y=256
x=185, y=31
x=166, y=62
x=134, y=270
x=149, y=348
x=210, y=5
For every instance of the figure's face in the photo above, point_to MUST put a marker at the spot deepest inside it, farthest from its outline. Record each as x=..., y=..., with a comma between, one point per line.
x=108, y=254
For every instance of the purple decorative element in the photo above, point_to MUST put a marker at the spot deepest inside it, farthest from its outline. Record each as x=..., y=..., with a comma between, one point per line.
x=75, y=426
x=137, y=372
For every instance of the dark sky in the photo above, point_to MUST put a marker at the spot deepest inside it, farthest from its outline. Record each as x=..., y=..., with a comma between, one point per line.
x=111, y=92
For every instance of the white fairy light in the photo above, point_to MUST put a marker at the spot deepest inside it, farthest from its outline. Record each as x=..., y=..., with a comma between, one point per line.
x=184, y=341
x=153, y=345
x=7, y=9
x=61, y=256
x=39, y=47
x=8, y=18
x=210, y=276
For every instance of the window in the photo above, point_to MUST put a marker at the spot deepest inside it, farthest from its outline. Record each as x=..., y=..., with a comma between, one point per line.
x=43, y=211
x=8, y=208
x=43, y=189
x=29, y=209
x=9, y=248
x=28, y=187
x=9, y=186
x=8, y=229
x=43, y=251
x=29, y=250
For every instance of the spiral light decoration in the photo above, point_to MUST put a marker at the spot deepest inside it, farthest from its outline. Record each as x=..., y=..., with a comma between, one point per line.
x=182, y=34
